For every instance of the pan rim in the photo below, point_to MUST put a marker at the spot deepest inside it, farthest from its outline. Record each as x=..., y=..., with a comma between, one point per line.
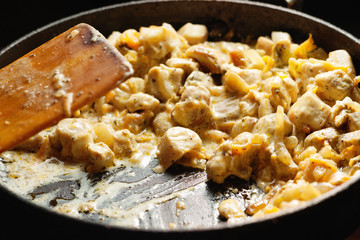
x=252, y=221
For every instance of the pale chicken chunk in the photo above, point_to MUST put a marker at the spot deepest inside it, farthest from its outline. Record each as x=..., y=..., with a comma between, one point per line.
x=333, y=85
x=266, y=124
x=225, y=113
x=160, y=41
x=349, y=139
x=74, y=135
x=100, y=157
x=233, y=158
x=194, y=33
x=197, y=78
x=346, y=113
x=142, y=102
x=164, y=82
x=175, y=144
x=209, y=58
x=309, y=113
x=265, y=44
x=319, y=138
x=193, y=108
x=188, y=65
x=342, y=57
x=124, y=143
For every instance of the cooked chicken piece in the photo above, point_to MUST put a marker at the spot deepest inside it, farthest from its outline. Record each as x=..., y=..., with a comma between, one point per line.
x=251, y=76
x=164, y=82
x=174, y=144
x=209, y=58
x=346, y=112
x=188, y=65
x=281, y=160
x=333, y=85
x=282, y=91
x=349, y=139
x=74, y=135
x=277, y=36
x=225, y=113
x=233, y=158
x=36, y=142
x=281, y=52
x=265, y=107
x=133, y=85
x=193, y=108
x=197, y=78
x=124, y=143
x=319, y=138
x=195, y=93
x=245, y=124
x=309, y=112
x=265, y=44
x=267, y=124
x=304, y=70
x=120, y=99
x=217, y=168
x=194, y=33
x=125, y=89
x=135, y=122
x=162, y=122
x=342, y=57
x=100, y=156
x=291, y=87
x=142, y=102
x=160, y=41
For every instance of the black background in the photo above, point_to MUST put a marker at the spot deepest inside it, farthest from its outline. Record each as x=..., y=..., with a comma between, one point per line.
x=19, y=17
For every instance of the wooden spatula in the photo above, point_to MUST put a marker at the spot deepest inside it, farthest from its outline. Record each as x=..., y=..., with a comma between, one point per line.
x=50, y=82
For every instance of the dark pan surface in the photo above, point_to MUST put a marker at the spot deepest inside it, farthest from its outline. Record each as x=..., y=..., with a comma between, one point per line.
x=330, y=215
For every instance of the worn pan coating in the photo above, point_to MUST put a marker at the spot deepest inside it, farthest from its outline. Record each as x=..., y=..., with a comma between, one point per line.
x=334, y=214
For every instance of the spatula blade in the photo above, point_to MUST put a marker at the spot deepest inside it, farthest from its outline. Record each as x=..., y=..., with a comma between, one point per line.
x=50, y=82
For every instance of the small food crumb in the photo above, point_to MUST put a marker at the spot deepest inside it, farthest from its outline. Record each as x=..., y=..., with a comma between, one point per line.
x=180, y=205
x=172, y=225
x=72, y=35
x=230, y=209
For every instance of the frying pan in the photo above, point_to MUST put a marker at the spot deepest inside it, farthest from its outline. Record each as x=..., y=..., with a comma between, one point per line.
x=332, y=215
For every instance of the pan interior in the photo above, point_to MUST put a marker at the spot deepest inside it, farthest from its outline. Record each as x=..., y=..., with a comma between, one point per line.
x=155, y=195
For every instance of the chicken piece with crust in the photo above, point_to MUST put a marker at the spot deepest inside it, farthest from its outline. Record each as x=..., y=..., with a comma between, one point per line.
x=100, y=156
x=346, y=113
x=164, y=82
x=74, y=135
x=209, y=58
x=322, y=137
x=177, y=143
x=193, y=108
x=309, y=113
x=142, y=102
x=124, y=143
x=342, y=57
x=233, y=158
x=333, y=85
x=194, y=33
